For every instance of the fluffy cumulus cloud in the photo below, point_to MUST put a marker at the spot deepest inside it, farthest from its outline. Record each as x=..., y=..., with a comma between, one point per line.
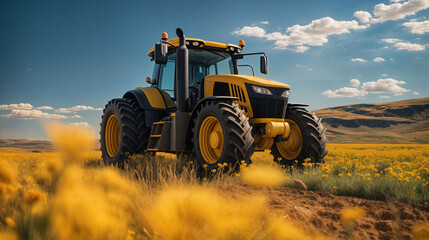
x=385, y=85
x=384, y=97
x=344, y=92
x=378, y=59
x=250, y=32
x=390, y=40
x=80, y=124
x=355, y=82
x=396, y=11
x=363, y=16
x=410, y=46
x=76, y=116
x=19, y=106
x=265, y=22
x=76, y=108
x=416, y=93
x=298, y=37
x=45, y=108
x=358, y=60
x=402, y=45
x=418, y=27
x=31, y=114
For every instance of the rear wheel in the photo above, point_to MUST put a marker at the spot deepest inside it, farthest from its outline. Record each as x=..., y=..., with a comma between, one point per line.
x=307, y=139
x=222, y=136
x=118, y=131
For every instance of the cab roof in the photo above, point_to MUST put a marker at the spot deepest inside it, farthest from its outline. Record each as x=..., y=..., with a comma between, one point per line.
x=201, y=44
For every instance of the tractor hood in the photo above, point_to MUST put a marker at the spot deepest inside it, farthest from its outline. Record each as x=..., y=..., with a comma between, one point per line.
x=247, y=79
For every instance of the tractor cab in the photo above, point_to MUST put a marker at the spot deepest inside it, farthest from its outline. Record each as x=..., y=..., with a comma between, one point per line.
x=204, y=58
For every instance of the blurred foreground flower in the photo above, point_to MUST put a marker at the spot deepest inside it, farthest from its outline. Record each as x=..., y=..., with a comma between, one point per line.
x=421, y=232
x=350, y=215
x=71, y=141
x=264, y=176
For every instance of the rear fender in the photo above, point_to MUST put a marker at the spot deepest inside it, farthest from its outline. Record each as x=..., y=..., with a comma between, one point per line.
x=155, y=102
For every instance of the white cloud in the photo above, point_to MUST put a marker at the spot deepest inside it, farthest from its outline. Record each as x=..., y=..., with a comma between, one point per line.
x=384, y=97
x=384, y=75
x=378, y=59
x=80, y=124
x=250, y=31
x=265, y=22
x=76, y=108
x=386, y=85
x=363, y=16
x=76, y=116
x=309, y=69
x=45, y=108
x=401, y=45
x=418, y=27
x=409, y=46
x=20, y=106
x=301, y=49
x=314, y=34
x=344, y=92
x=355, y=82
x=396, y=11
x=31, y=114
x=358, y=60
x=390, y=40
x=416, y=93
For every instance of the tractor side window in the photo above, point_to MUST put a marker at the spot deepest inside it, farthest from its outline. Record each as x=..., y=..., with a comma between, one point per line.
x=197, y=73
x=223, y=67
x=166, y=77
x=212, y=70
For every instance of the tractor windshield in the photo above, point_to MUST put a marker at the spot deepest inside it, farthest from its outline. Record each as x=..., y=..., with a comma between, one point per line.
x=201, y=63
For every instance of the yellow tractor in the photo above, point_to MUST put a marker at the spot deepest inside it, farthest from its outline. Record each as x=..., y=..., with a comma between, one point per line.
x=199, y=105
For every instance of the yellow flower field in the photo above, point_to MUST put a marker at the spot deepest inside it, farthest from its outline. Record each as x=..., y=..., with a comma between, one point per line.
x=71, y=194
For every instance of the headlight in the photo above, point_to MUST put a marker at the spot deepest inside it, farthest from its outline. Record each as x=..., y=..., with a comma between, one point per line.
x=285, y=94
x=262, y=90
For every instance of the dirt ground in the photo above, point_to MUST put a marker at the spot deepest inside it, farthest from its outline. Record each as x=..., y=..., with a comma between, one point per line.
x=319, y=213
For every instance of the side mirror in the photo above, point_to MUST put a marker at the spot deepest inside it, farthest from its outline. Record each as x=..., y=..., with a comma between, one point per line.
x=264, y=64
x=148, y=80
x=160, y=53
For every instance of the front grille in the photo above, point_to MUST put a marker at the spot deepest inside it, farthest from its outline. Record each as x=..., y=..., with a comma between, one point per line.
x=268, y=106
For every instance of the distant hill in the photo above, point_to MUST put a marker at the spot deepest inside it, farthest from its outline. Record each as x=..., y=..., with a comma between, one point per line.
x=26, y=145
x=404, y=121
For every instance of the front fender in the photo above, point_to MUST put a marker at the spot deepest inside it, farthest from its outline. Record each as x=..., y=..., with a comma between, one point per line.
x=189, y=144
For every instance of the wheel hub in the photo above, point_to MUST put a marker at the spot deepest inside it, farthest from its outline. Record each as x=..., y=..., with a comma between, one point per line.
x=211, y=139
x=215, y=139
x=112, y=135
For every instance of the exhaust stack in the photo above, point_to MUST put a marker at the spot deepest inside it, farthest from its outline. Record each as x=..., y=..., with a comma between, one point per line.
x=182, y=73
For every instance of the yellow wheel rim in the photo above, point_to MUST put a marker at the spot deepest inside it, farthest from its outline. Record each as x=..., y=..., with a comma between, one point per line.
x=112, y=135
x=291, y=148
x=211, y=139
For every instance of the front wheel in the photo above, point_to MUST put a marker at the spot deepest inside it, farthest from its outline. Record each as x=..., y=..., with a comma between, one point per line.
x=222, y=136
x=307, y=139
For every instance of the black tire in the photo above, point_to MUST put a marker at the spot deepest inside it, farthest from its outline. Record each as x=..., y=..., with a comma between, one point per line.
x=123, y=111
x=143, y=131
x=313, y=139
x=237, y=135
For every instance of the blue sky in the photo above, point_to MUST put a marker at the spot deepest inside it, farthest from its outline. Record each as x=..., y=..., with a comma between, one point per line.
x=64, y=60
